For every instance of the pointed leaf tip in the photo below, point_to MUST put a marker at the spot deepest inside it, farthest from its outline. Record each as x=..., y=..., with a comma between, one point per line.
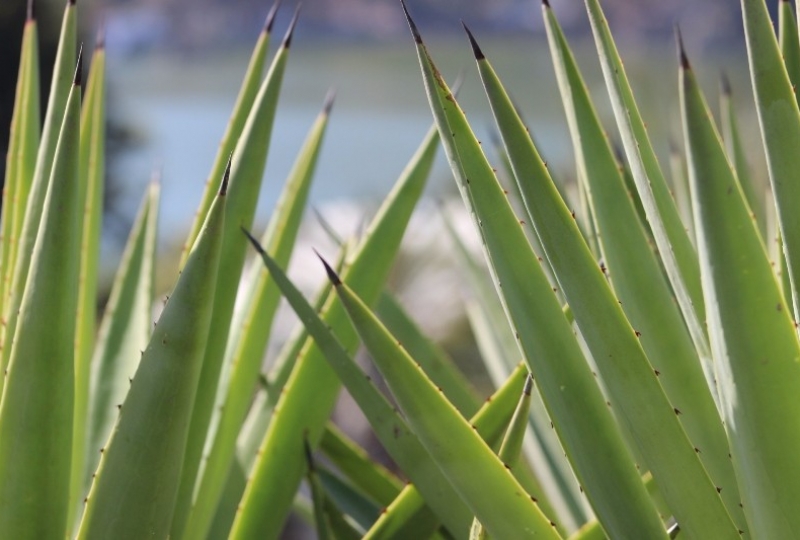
x=725, y=84
x=528, y=388
x=223, y=188
x=546, y=3
x=273, y=12
x=287, y=40
x=309, y=454
x=476, y=50
x=100, y=38
x=331, y=273
x=71, y=2
x=30, y=13
x=329, y=99
x=414, y=32
x=681, y=50
x=77, y=80
x=253, y=241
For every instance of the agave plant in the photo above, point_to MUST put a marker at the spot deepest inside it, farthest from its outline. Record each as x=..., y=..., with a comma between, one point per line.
x=663, y=354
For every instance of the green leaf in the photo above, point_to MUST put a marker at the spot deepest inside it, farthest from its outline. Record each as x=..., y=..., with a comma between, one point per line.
x=753, y=337
x=568, y=388
x=639, y=282
x=323, y=527
x=788, y=41
x=491, y=492
x=124, y=331
x=21, y=158
x=311, y=393
x=37, y=406
x=92, y=176
x=636, y=395
x=779, y=118
x=248, y=91
x=248, y=341
x=247, y=172
x=134, y=492
x=63, y=75
x=672, y=240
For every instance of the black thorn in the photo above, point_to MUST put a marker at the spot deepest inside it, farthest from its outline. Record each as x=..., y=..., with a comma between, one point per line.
x=76, y=81
x=71, y=2
x=329, y=99
x=30, y=15
x=273, y=12
x=287, y=40
x=681, y=50
x=476, y=50
x=725, y=82
x=546, y=3
x=411, y=25
x=253, y=241
x=309, y=457
x=331, y=274
x=528, y=385
x=223, y=189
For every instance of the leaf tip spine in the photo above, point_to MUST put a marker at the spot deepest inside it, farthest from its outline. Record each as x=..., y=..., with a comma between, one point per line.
x=681, y=50
x=329, y=99
x=70, y=2
x=223, y=188
x=78, y=79
x=270, y=20
x=476, y=50
x=528, y=388
x=546, y=3
x=725, y=84
x=287, y=39
x=411, y=25
x=332, y=276
x=100, y=38
x=253, y=241
x=30, y=11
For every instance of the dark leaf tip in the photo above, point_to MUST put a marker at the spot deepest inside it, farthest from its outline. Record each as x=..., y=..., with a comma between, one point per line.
x=287, y=40
x=329, y=99
x=328, y=270
x=273, y=12
x=528, y=388
x=681, y=50
x=476, y=50
x=30, y=13
x=253, y=241
x=78, y=79
x=725, y=83
x=414, y=32
x=223, y=188
x=71, y=2
x=100, y=39
x=546, y=3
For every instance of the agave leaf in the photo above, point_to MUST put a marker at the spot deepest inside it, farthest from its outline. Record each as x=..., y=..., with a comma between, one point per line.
x=343, y=499
x=491, y=492
x=568, y=388
x=63, y=72
x=124, y=331
x=511, y=447
x=35, y=463
x=388, y=425
x=241, y=110
x=635, y=393
x=754, y=340
x=21, y=158
x=323, y=527
x=680, y=186
x=436, y=363
x=92, y=176
x=779, y=118
x=638, y=280
x=134, y=492
x=374, y=480
x=408, y=516
x=671, y=238
x=737, y=156
x=247, y=171
x=788, y=41
x=250, y=334
x=311, y=393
